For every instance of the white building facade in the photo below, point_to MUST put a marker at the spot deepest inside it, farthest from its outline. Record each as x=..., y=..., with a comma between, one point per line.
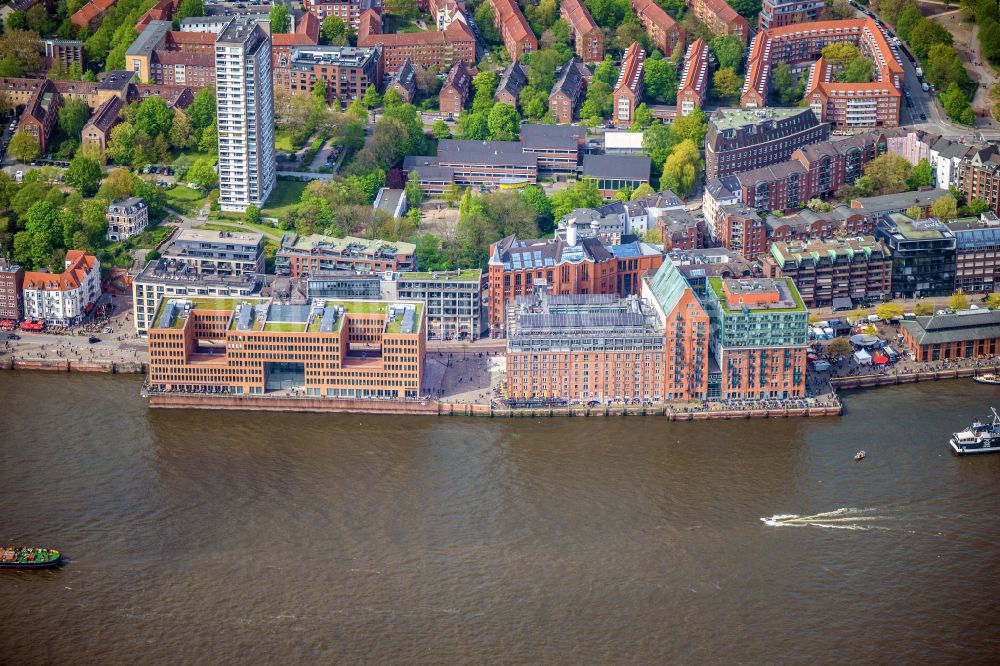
x=63, y=299
x=245, y=105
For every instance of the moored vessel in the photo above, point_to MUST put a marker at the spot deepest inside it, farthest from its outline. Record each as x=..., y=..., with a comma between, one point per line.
x=978, y=438
x=19, y=557
x=988, y=378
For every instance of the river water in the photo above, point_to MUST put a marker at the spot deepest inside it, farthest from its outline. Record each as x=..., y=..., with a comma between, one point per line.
x=209, y=538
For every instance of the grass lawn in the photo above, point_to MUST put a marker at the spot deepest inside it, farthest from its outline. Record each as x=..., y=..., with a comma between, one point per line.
x=237, y=224
x=284, y=197
x=396, y=24
x=285, y=327
x=186, y=200
x=150, y=238
x=186, y=159
x=283, y=141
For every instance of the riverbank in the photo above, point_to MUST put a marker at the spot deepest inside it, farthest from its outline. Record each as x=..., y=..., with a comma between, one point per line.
x=73, y=365
x=303, y=403
x=892, y=379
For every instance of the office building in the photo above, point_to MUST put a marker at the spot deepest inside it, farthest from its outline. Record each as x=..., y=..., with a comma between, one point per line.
x=745, y=139
x=487, y=164
x=126, y=218
x=63, y=299
x=64, y=51
x=172, y=278
x=582, y=348
x=348, y=11
x=218, y=252
x=978, y=176
x=308, y=255
x=950, y=335
x=253, y=346
x=630, y=85
x=11, y=290
x=923, y=255
x=823, y=271
x=567, y=265
x=875, y=104
x=245, y=104
x=977, y=253
x=680, y=231
x=453, y=299
x=584, y=35
x=779, y=13
x=760, y=334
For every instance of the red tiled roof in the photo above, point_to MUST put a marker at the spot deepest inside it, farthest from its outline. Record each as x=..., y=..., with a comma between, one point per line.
x=308, y=26
x=631, y=62
x=579, y=16
x=80, y=264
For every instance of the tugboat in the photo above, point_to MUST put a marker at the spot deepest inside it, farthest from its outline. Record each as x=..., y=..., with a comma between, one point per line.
x=978, y=438
x=988, y=378
x=17, y=557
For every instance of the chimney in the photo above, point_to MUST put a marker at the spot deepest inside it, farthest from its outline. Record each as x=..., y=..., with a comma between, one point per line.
x=571, y=232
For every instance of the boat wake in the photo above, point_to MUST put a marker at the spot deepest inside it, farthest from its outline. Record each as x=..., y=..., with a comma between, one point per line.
x=847, y=518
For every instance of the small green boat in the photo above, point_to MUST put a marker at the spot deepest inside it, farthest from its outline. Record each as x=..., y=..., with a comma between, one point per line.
x=18, y=557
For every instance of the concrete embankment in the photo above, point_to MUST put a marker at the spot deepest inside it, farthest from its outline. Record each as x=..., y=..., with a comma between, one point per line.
x=872, y=381
x=73, y=365
x=447, y=409
x=289, y=404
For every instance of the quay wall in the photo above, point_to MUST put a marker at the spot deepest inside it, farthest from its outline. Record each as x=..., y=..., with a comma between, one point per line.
x=71, y=365
x=289, y=404
x=873, y=381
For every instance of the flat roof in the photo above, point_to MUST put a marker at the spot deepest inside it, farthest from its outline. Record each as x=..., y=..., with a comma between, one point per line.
x=724, y=119
x=211, y=236
x=627, y=167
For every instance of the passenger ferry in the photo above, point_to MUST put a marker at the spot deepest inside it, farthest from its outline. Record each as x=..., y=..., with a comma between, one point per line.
x=988, y=378
x=978, y=438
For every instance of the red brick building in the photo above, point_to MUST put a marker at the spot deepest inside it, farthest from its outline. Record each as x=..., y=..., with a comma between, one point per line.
x=41, y=115
x=695, y=80
x=720, y=18
x=949, y=336
x=663, y=30
x=433, y=48
x=514, y=30
x=456, y=89
x=584, y=34
x=630, y=85
x=568, y=90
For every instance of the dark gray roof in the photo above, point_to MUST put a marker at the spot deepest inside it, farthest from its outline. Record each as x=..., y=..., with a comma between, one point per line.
x=513, y=79
x=462, y=151
x=564, y=137
x=149, y=38
x=958, y=327
x=571, y=80
x=628, y=167
x=770, y=174
x=900, y=201
x=405, y=76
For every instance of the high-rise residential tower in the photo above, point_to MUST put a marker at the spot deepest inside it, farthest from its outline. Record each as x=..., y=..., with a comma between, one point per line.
x=245, y=94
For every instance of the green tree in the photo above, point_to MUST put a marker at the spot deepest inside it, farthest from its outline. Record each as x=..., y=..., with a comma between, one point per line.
x=682, y=168
x=642, y=118
x=661, y=81
x=485, y=21
x=504, y=122
x=858, y=70
x=923, y=309
x=889, y=311
x=786, y=88
x=956, y=104
x=922, y=175
x=441, y=130
x=334, y=31
x=909, y=18
x=915, y=211
x=202, y=173
x=728, y=50
x=391, y=98
x=726, y=85
x=582, y=194
x=402, y=8
x=945, y=208
x=281, y=22
x=656, y=143
x=251, y=215
x=691, y=127
x=318, y=94
x=599, y=100
x=414, y=193
x=958, y=300
x=472, y=126
x=606, y=71
x=643, y=190
x=372, y=98
x=484, y=83
x=24, y=147
x=188, y=8
x=840, y=53
x=888, y=174
x=84, y=174
x=535, y=197
x=993, y=301
x=73, y=116
x=153, y=117
x=17, y=20
x=202, y=110
x=42, y=234
x=840, y=347
x=925, y=35
x=182, y=135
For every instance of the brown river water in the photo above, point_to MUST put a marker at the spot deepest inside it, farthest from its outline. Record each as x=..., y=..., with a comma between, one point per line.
x=227, y=537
